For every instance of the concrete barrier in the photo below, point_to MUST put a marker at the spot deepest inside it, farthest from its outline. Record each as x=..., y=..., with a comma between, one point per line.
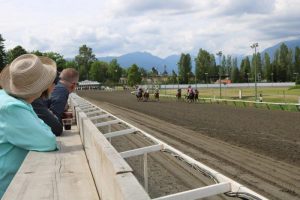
x=112, y=175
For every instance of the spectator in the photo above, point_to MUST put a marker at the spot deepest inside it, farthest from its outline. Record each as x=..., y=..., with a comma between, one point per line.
x=59, y=97
x=21, y=130
x=40, y=107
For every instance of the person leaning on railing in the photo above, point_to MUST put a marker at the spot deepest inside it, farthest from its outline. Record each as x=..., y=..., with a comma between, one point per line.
x=40, y=107
x=21, y=130
x=59, y=97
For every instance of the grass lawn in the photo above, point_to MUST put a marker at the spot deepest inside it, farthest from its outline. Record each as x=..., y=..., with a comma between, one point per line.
x=270, y=94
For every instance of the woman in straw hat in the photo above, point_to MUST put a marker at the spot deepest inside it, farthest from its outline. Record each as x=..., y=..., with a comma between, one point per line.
x=21, y=130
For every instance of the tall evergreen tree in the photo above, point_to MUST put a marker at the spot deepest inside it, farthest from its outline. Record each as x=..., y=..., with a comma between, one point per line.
x=290, y=66
x=223, y=65
x=256, y=62
x=184, y=68
x=268, y=71
x=283, y=63
x=203, y=64
x=297, y=65
x=2, y=54
x=228, y=66
x=235, y=72
x=213, y=70
x=245, y=70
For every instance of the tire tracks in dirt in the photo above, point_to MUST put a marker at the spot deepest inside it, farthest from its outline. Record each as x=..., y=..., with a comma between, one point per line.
x=274, y=179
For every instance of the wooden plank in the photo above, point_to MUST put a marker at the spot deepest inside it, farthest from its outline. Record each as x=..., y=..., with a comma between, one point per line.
x=63, y=174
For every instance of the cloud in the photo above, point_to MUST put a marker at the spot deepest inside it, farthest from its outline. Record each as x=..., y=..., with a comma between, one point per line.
x=114, y=27
x=237, y=7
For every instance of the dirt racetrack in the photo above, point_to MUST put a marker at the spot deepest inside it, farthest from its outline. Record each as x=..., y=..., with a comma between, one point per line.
x=258, y=148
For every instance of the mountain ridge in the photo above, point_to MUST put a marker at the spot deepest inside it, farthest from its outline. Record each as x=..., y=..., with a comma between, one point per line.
x=147, y=60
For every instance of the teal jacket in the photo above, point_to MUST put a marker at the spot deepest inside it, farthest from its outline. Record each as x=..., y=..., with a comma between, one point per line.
x=21, y=131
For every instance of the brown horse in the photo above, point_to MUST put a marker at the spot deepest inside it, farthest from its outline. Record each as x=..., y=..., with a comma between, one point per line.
x=156, y=96
x=146, y=96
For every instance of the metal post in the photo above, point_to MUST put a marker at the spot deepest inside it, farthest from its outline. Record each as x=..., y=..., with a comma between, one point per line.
x=145, y=172
x=220, y=55
x=296, y=77
x=255, y=75
x=206, y=74
x=272, y=74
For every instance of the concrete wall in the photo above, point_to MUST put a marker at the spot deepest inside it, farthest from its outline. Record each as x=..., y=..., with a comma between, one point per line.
x=113, y=176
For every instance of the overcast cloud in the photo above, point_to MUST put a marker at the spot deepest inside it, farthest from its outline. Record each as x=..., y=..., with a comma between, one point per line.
x=161, y=27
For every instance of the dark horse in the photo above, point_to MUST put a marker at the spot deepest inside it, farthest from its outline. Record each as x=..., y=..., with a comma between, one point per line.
x=190, y=97
x=139, y=95
x=156, y=95
x=146, y=96
x=178, y=94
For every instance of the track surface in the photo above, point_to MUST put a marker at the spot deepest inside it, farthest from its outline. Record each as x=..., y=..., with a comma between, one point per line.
x=258, y=148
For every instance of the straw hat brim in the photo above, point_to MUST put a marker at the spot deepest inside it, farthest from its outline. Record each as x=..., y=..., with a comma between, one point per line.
x=41, y=84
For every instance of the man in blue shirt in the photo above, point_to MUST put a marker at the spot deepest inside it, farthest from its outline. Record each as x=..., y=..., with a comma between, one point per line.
x=58, y=101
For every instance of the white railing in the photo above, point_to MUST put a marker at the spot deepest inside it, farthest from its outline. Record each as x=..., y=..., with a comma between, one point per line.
x=217, y=100
x=222, y=184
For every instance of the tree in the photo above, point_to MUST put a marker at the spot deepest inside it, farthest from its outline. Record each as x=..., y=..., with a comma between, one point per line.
x=223, y=65
x=235, y=75
x=98, y=71
x=14, y=53
x=235, y=72
x=256, y=62
x=134, y=76
x=2, y=54
x=85, y=58
x=59, y=59
x=297, y=64
x=283, y=63
x=37, y=52
x=114, y=71
x=184, y=68
x=71, y=64
x=268, y=71
x=245, y=70
x=290, y=66
x=173, y=78
x=203, y=64
x=228, y=66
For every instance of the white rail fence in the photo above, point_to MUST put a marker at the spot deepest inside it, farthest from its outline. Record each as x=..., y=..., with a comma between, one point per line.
x=113, y=176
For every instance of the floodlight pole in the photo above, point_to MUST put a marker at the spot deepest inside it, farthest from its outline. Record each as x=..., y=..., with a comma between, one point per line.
x=255, y=45
x=220, y=56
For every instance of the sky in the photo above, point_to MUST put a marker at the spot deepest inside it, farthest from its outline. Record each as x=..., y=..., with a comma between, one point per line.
x=160, y=27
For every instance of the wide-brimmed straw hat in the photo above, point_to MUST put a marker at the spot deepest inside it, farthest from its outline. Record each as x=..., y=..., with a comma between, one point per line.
x=28, y=75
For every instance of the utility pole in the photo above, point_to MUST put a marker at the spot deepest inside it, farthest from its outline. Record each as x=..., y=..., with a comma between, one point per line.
x=220, y=56
x=254, y=46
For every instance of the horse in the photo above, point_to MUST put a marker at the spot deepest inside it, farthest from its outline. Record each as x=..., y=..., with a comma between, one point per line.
x=190, y=97
x=156, y=95
x=196, y=96
x=178, y=95
x=146, y=96
x=139, y=95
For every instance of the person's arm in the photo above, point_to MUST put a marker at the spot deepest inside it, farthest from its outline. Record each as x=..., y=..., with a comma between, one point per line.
x=40, y=108
x=27, y=131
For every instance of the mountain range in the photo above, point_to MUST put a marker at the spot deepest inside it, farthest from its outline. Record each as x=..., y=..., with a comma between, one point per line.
x=147, y=60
